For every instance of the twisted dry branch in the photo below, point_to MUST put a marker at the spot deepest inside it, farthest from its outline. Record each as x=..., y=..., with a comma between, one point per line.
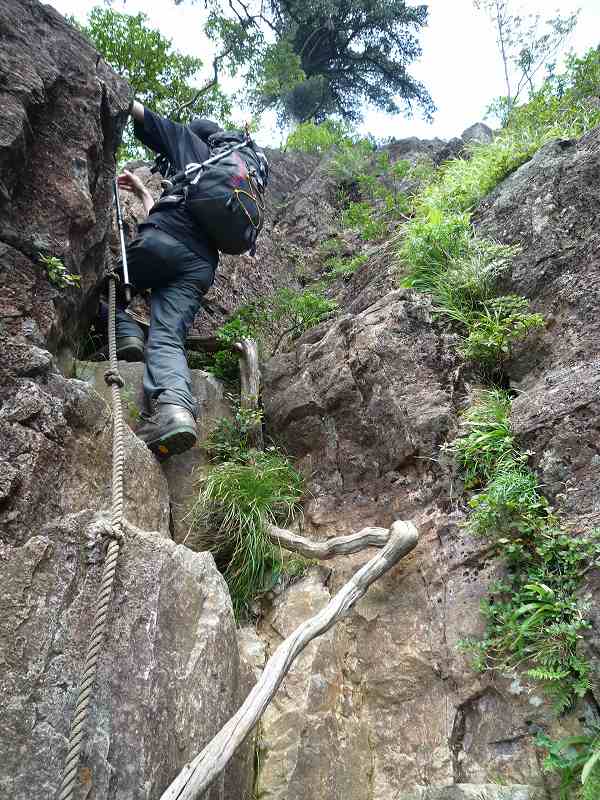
x=197, y=776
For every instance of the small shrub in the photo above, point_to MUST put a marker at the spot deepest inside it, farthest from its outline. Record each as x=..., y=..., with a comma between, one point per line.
x=331, y=247
x=351, y=161
x=361, y=216
x=236, y=500
x=231, y=438
x=286, y=314
x=57, y=272
x=309, y=137
x=338, y=267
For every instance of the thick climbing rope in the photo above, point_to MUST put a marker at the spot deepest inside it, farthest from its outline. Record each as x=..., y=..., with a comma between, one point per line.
x=115, y=534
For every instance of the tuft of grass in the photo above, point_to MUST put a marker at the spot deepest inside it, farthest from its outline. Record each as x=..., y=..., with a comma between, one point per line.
x=235, y=502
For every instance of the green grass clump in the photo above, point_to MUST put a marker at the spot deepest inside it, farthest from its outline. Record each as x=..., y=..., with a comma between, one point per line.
x=339, y=267
x=493, y=329
x=461, y=272
x=438, y=243
x=577, y=760
x=236, y=501
x=534, y=618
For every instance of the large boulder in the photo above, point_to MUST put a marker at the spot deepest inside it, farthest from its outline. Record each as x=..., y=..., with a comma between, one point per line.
x=386, y=702
x=62, y=113
x=168, y=674
x=363, y=400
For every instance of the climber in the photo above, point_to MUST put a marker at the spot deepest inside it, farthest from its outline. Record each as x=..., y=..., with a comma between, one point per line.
x=174, y=258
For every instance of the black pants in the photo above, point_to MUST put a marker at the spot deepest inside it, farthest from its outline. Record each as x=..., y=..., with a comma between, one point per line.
x=178, y=279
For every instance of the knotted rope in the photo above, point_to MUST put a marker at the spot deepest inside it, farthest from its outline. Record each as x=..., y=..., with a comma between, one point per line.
x=115, y=532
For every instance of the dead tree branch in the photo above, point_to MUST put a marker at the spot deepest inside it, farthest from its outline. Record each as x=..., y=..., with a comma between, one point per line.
x=197, y=776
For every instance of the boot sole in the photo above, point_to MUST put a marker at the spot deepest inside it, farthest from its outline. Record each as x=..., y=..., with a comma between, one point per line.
x=172, y=443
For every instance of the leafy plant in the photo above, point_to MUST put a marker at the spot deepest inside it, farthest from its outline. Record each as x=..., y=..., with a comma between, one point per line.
x=57, y=272
x=343, y=267
x=362, y=217
x=577, y=760
x=231, y=438
x=309, y=137
x=235, y=502
x=494, y=329
x=160, y=77
x=534, y=617
x=350, y=161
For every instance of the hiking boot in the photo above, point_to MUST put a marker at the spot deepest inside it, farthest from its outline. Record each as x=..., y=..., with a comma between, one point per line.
x=130, y=348
x=169, y=430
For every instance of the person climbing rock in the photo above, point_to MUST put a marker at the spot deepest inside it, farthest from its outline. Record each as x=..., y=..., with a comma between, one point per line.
x=172, y=256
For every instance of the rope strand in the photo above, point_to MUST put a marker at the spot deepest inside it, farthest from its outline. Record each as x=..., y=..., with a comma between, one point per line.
x=88, y=677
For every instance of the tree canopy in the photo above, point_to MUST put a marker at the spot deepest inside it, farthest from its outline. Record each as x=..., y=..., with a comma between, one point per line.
x=309, y=59
x=160, y=77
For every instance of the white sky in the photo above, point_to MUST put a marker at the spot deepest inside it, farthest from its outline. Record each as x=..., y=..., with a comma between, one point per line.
x=460, y=66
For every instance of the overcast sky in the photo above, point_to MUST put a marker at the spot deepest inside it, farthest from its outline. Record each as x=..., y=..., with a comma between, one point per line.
x=460, y=66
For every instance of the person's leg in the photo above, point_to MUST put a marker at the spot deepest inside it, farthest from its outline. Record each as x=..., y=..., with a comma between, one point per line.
x=167, y=377
x=178, y=278
x=130, y=337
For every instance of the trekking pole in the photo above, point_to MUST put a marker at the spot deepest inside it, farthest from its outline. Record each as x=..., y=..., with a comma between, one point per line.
x=126, y=284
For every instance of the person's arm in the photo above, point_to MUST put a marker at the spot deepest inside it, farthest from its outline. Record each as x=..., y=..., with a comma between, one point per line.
x=131, y=183
x=137, y=111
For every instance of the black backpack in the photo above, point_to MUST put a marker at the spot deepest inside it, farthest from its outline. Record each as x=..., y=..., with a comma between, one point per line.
x=225, y=193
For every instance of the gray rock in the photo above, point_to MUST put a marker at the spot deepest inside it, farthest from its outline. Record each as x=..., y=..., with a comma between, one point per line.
x=479, y=133
x=168, y=673
x=182, y=471
x=347, y=386
x=473, y=791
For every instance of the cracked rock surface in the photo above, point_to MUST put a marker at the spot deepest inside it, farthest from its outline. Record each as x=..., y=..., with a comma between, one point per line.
x=168, y=674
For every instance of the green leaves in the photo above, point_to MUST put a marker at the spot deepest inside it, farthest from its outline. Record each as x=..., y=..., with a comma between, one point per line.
x=160, y=77
x=57, y=272
x=534, y=617
x=311, y=138
x=577, y=760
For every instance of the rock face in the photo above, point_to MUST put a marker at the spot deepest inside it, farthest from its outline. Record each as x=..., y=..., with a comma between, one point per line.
x=551, y=207
x=387, y=704
x=169, y=674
